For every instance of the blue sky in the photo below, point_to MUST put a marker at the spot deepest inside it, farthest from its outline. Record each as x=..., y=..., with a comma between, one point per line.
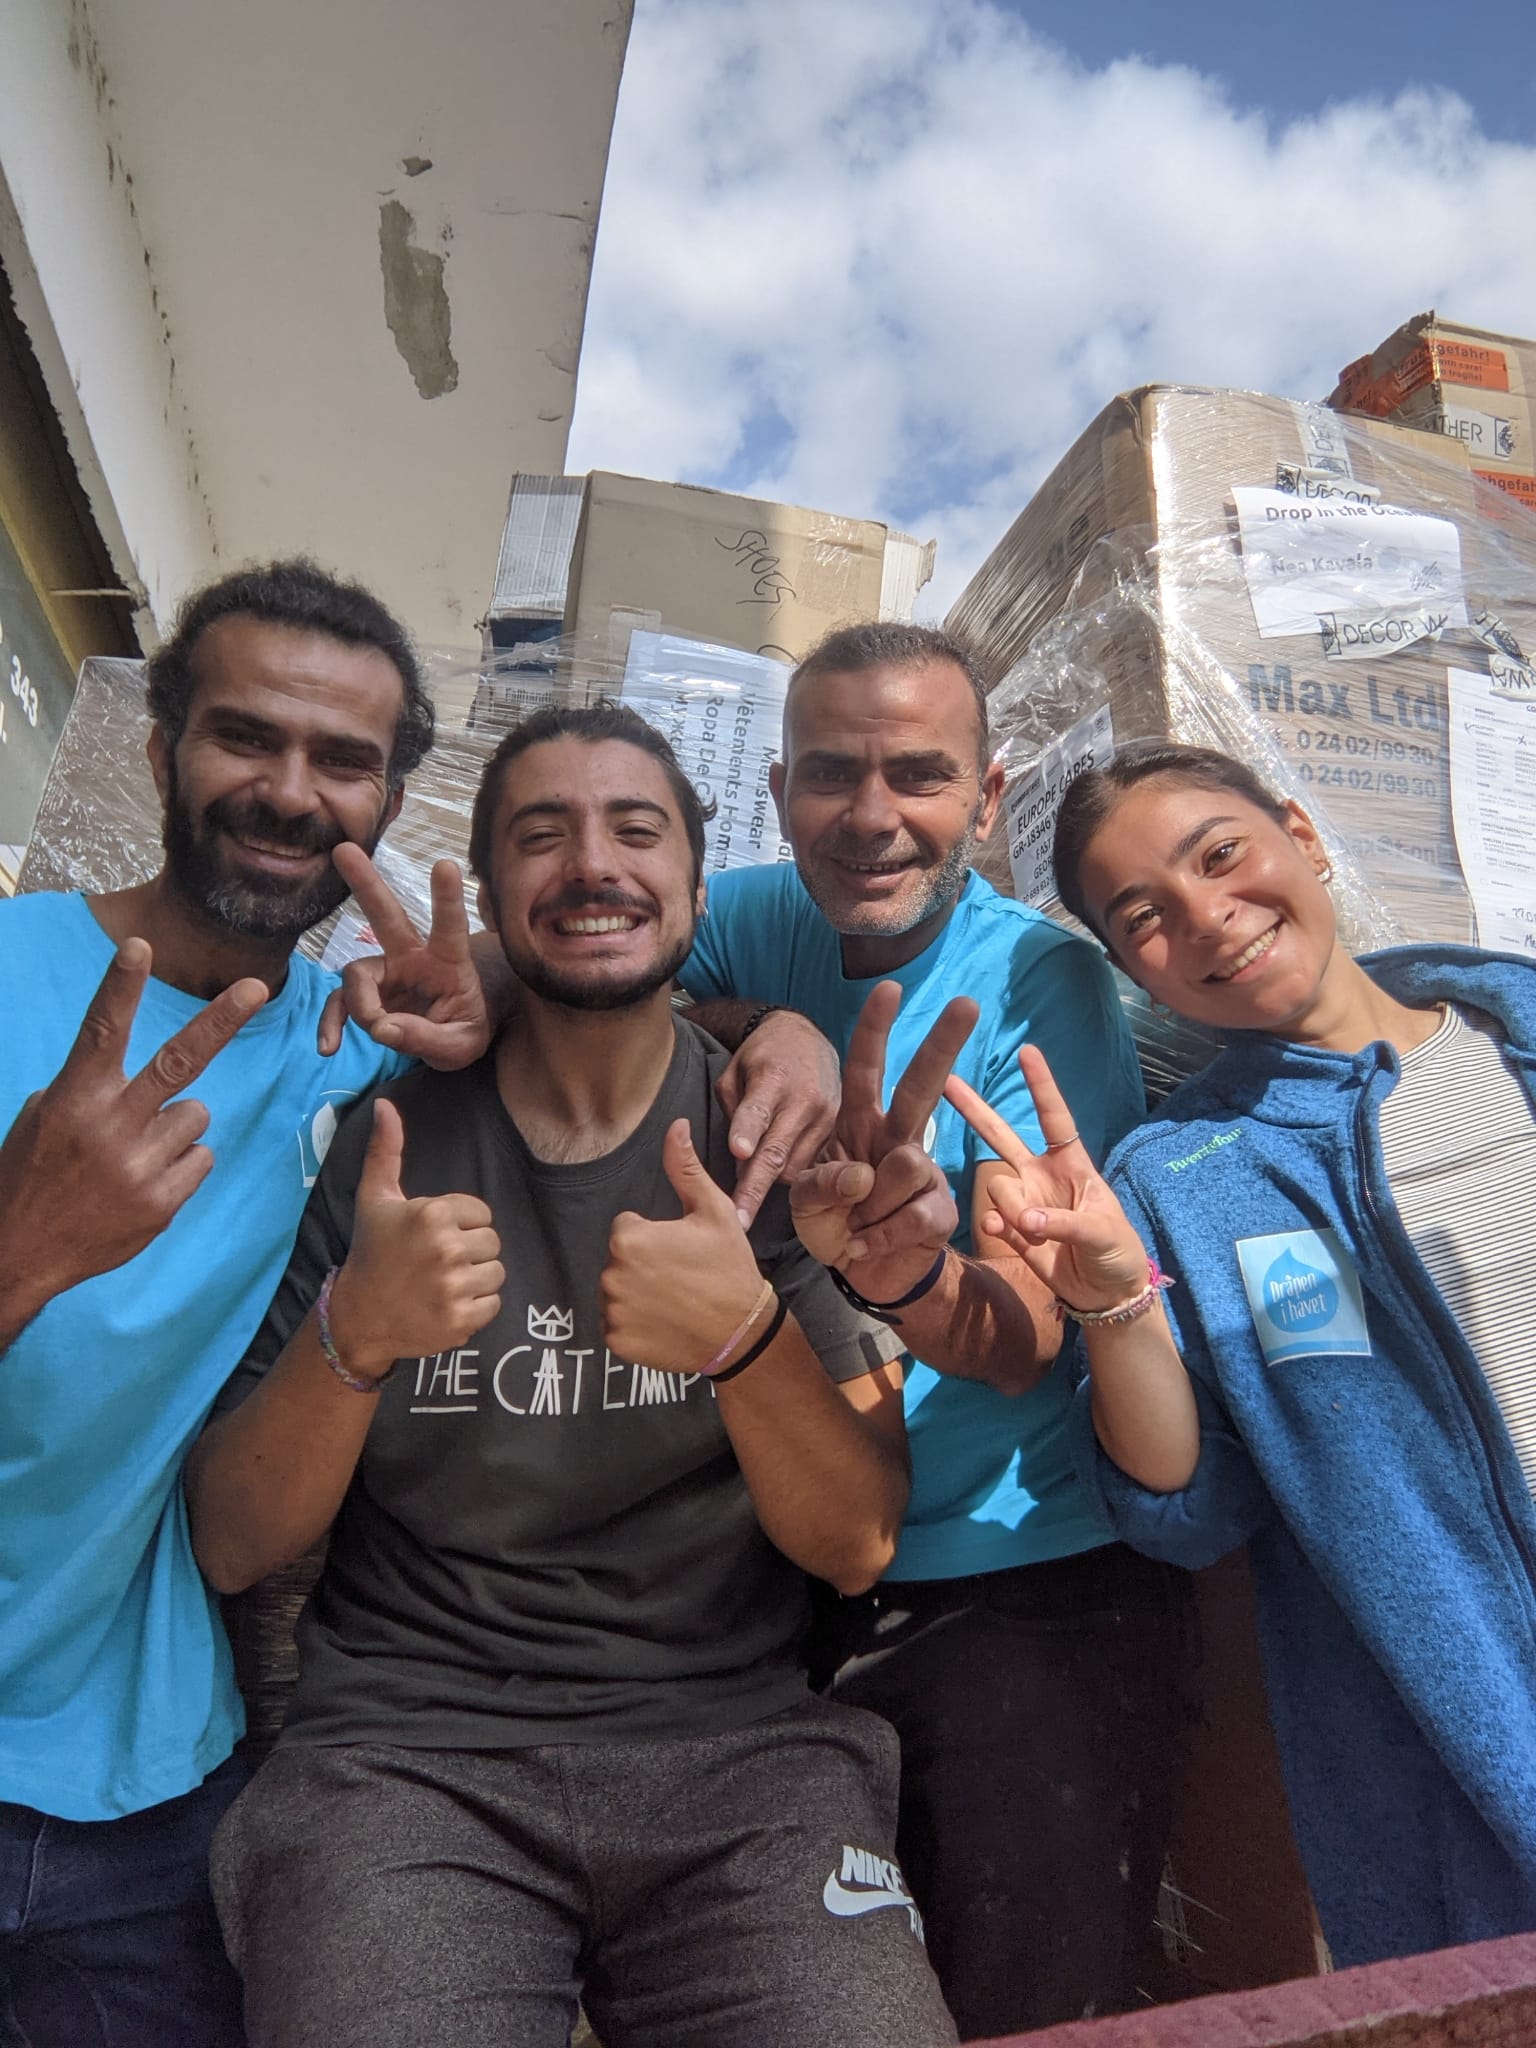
x=889, y=257
x=1292, y=59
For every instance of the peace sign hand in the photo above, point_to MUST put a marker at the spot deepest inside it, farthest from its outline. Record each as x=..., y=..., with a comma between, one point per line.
x=417, y=996
x=877, y=1201
x=1057, y=1212
x=96, y=1165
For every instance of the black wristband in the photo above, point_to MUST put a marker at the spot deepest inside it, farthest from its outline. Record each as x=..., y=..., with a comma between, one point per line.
x=758, y=1016
x=881, y=1310
x=757, y=1350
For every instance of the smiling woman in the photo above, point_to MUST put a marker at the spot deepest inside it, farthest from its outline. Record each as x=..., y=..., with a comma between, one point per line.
x=1343, y=1377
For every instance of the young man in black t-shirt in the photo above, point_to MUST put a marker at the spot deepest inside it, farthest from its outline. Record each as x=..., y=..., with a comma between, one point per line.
x=550, y=1736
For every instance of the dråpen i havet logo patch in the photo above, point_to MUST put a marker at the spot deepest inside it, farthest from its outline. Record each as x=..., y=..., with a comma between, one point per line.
x=317, y=1129
x=1304, y=1296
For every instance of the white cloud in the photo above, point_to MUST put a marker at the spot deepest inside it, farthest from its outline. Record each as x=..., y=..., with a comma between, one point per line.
x=929, y=247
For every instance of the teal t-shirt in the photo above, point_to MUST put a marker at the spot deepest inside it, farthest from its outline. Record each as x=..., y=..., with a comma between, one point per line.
x=993, y=1480
x=116, y=1688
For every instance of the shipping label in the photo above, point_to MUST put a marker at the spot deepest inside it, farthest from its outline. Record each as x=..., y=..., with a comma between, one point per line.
x=1299, y=480
x=1521, y=488
x=1344, y=559
x=1365, y=637
x=1493, y=808
x=1485, y=436
x=1324, y=442
x=1433, y=360
x=1030, y=807
x=722, y=710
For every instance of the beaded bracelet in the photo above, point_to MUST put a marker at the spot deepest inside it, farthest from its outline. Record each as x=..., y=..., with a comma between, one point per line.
x=1128, y=1311
x=328, y=1351
x=882, y=1310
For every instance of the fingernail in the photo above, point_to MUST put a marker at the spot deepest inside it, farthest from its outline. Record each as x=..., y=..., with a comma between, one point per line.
x=857, y=1249
x=744, y=1218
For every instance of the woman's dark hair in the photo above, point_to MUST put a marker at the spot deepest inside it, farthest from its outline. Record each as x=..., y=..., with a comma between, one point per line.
x=297, y=593
x=1097, y=792
x=592, y=723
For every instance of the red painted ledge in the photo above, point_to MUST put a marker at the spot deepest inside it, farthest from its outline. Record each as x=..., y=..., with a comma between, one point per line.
x=1478, y=1997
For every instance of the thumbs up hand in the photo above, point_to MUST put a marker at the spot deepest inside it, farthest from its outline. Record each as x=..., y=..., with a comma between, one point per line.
x=424, y=1273
x=672, y=1293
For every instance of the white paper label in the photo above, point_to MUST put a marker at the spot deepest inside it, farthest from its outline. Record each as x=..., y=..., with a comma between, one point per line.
x=1493, y=808
x=723, y=711
x=1322, y=436
x=1485, y=436
x=1339, y=558
x=1509, y=670
x=1296, y=480
x=1359, y=637
x=1030, y=807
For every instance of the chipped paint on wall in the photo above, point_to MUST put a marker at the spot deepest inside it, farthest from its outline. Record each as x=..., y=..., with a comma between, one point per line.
x=416, y=302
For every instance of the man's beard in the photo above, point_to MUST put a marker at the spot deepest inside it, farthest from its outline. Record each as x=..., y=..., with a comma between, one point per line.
x=577, y=989
x=940, y=886
x=254, y=905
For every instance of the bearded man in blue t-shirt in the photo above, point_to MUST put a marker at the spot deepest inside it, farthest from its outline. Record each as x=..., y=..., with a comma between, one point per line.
x=136, y=1262
x=1027, y=1662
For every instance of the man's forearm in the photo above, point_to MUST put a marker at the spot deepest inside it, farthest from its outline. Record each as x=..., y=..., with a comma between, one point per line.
x=977, y=1324
x=829, y=1484
x=264, y=1483
x=725, y=1018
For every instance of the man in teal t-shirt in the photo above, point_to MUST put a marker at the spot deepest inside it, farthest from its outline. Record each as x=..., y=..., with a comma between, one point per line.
x=135, y=1265
x=1025, y=1660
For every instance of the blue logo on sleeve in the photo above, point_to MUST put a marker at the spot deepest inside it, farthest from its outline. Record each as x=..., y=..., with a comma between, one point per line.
x=1304, y=1295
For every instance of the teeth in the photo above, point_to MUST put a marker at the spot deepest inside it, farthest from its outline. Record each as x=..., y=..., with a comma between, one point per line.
x=1260, y=945
x=282, y=852
x=581, y=927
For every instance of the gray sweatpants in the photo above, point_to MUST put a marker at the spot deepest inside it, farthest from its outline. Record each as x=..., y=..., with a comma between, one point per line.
x=726, y=1891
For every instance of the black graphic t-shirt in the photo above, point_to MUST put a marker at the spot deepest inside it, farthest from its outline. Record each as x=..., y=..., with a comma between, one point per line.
x=543, y=1542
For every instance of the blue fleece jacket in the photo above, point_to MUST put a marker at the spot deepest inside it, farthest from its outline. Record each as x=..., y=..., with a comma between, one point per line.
x=1349, y=1436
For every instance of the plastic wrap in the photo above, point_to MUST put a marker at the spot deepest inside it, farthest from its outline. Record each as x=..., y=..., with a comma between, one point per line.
x=1299, y=588
x=98, y=825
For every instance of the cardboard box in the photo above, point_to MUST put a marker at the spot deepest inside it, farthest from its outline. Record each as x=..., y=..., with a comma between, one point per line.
x=1477, y=387
x=738, y=572
x=1126, y=583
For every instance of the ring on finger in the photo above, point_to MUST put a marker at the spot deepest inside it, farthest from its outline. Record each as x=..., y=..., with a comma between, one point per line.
x=1061, y=1144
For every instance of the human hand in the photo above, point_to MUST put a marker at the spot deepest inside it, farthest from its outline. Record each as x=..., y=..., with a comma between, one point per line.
x=424, y=1272
x=673, y=1292
x=418, y=996
x=781, y=1092
x=1055, y=1209
x=878, y=1201
x=96, y=1165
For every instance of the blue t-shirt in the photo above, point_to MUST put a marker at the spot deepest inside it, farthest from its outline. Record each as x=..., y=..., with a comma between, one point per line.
x=993, y=1478
x=116, y=1687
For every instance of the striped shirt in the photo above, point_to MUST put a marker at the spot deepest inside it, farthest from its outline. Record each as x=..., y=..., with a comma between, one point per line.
x=1459, y=1137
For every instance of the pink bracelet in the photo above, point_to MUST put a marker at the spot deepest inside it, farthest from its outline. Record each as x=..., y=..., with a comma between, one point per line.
x=764, y=1296
x=328, y=1351
x=1128, y=1311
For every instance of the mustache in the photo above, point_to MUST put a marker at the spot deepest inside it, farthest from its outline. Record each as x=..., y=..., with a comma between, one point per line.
x=256, y=820
x=899, y=848
x=571, y=902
